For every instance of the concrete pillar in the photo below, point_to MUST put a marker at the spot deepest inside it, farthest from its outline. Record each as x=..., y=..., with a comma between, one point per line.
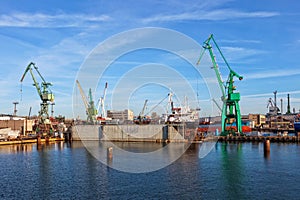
x=165, y=131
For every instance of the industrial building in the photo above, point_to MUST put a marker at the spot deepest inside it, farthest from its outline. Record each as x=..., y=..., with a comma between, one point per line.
x=258, y=120
x=122, y=116
x=15, y=126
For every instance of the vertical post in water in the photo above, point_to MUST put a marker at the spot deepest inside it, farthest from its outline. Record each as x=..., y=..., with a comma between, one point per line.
x=38, y=139
x=109, y=153
x=267, y=148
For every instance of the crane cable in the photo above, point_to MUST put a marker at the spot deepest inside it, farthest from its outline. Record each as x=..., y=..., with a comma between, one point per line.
x=21, y=91
x=157, y=105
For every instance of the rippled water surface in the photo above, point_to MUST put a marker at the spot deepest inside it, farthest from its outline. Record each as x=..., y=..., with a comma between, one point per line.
x=229, y=171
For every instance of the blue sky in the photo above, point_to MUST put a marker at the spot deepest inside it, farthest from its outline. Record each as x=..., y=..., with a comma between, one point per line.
x=260, y=39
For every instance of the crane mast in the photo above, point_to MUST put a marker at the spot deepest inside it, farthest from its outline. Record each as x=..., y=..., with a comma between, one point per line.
x=45, y=94
x=230, y=99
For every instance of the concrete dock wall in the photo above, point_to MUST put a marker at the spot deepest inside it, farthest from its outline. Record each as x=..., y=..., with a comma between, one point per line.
x=130, y=133
x=85, y=132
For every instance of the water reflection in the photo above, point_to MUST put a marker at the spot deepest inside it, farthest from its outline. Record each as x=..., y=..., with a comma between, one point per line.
x=137, y=157
x=12, y=149
x=49, y=146
x=267, y=155
x=232, y=170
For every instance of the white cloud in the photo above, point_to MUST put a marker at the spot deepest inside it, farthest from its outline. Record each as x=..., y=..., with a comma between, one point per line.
x=213, y=15
x=273, y=73
x=20, y=19
x=239, y=54
x=241, y=41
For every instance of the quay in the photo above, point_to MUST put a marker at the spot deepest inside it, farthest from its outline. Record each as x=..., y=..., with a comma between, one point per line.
x=283, y=139
x=30, y=140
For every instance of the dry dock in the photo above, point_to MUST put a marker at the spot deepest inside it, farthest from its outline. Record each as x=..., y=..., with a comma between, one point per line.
x=130, y=133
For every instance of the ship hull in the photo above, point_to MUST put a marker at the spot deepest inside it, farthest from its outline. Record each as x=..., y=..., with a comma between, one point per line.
x=297, y=126
x=206, y=128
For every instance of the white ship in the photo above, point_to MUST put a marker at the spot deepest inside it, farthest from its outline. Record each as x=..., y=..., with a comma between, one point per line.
x=182, y=114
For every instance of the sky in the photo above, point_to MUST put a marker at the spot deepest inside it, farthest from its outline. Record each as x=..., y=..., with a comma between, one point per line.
x=259, y=38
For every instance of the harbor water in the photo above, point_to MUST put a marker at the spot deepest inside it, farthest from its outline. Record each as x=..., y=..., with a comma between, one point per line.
x=229, y=171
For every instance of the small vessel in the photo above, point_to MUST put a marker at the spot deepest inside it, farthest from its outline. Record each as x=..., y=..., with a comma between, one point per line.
x=142, y=120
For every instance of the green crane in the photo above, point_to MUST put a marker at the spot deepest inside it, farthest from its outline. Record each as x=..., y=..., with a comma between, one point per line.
x=45, y=93
x=89, y=104
x=230, y=99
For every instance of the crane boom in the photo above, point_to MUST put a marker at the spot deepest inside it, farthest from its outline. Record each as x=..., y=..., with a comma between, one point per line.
x=84, y=99
x=207, y=46
x=144, y=107
x=35, y=83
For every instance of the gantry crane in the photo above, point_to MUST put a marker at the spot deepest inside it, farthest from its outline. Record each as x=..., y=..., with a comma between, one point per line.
x=230, y=99
x=89, y=105
x=45, y=93
x=272, y=105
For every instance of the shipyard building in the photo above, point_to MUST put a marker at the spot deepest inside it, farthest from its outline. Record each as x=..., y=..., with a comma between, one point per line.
x=121, y=116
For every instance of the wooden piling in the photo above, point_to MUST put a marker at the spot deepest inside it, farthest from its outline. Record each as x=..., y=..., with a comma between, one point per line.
x=109, y=153
x=267, y=146
x=38, y=140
